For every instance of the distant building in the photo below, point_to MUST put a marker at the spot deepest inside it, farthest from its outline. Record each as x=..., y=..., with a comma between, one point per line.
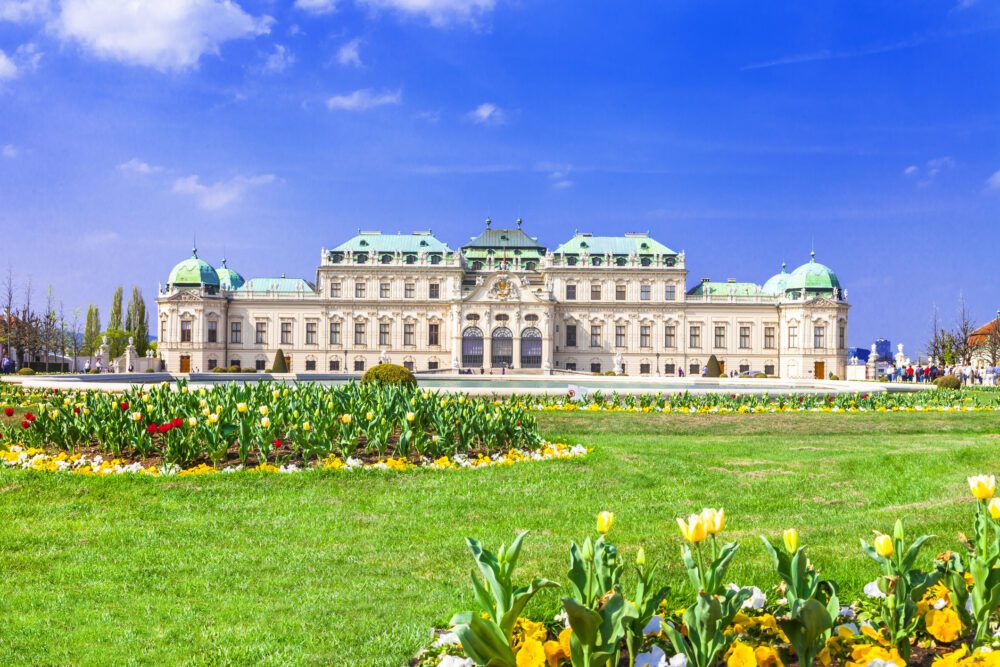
x=504, y=300
x=884, y=349
x=860, y=353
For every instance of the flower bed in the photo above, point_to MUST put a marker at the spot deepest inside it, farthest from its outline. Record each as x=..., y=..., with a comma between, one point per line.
x=941, y=400
x=917, y=611
x=270, y=423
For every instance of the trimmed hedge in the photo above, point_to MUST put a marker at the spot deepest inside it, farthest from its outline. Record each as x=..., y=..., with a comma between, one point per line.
x=714, y=369
x=389, y=374
x=279, y=365
x=26, y=371
x=948, y=382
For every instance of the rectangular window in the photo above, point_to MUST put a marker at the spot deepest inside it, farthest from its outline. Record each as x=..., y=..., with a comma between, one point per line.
x=819, y=337
x=432, y=365
x=694, y=369
x=619, y=292
x=669, y=369
x=571, y=365
x=670, y=293
x=744, y=338
x=260, y=333
x=310, y=364
x=359, y=334
x=185, y=331
x=595, y=335
x=570, y=335
x=720, y=337
x=212, y=363
x=695, y=337
x=409, y=290
x=645, y=291
x=619, y=335
x=841, y=337
x=335, y=290
x=793, y=337
x=334, y=333
x=434, y=291
x=383, y=333
x=163, y=330
x=595, y=291
x=260, y=365
x=643, y=369
x=595, y=367
x=335, y=364
x=359, y=365
x=670, y=336
x=744, y=368
x=213, y=331
x=409, y=333
x=645, y=336
x=311, y=328
x=234, y=362
x=769, y=335
x=236, y=332
x=571, y=292
x=286, y=333
x=408, y=365
x=359, y=290
x=768, y=369
x=383, y=290
x=433, y=333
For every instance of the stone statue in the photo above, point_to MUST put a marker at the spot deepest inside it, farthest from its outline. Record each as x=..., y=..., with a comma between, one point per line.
x=104, y=340
x=384, y=357
x=131, y=341
x=619, y=363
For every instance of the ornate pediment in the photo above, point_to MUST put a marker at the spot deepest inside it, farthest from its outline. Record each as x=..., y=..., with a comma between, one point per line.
x=504, y=288
x=185, y=296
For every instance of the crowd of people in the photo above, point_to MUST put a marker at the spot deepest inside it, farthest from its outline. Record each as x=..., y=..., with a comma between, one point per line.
x=930, y=372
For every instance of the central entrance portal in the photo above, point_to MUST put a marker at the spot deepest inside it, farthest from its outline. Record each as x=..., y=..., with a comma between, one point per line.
x=531, y=348
x=502, y=348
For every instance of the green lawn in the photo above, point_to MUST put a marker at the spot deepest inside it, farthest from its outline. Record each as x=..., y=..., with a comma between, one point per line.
x=353, y=569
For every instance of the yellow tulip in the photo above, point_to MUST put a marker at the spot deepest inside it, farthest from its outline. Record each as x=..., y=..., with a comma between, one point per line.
x=265, y=422
x=693, y=529
x=604, y=522
x=213, y=418
x=137, y=416
x=995, y=508
x=192, y=421
x=263, y=410
x=640, y=558
x=715, y=520
x=410, y=416
x=241, y=407
x=983, y=486
x=883, y=546
x=307, y=426
x=791, y=541
x=345, y=419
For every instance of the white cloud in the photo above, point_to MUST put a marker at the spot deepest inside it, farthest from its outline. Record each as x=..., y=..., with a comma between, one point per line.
x=164, y=35
x=316, y=6
x=350, y=54
x=137, y=166
x=487, y=114
x=360, y=100
x=221, y=194
x=9, y=151
x=8, y=70
x=912, y=170
x=931, y=169
x=438, y=12
x=937, y=165
x=19, y=11
x=993, y=182
x=279, y=60
x=560, y=180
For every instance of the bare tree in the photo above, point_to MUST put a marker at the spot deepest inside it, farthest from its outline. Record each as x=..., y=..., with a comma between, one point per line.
x=964, y=328
x=74, y=335
x=9, y=336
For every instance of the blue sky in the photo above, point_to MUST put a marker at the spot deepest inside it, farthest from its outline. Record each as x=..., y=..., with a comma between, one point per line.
x=743, y=133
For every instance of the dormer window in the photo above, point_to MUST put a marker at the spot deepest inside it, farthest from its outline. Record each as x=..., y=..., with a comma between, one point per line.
x=386, y=259
x=423, y=243
x=583, y=244
x=571, y=260
x=363, y=243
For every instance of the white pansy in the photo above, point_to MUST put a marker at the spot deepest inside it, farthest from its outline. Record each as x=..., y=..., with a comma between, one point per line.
x=757, y=599
x=653, y=658
x=455, y=661
x=850, y=626
x=846, y=612
x=446, y=639
x=872, y=590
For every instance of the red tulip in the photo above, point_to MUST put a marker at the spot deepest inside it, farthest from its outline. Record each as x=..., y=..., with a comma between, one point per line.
x=277, y=442
x=177, y=422
x=25, y=424
x=123, y=405
x=165, y=427
x=29, y=416
x=151, y=429
x=9, y=412
x=76, y=411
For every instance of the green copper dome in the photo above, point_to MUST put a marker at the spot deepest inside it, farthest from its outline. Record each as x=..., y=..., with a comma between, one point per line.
x=814, y=278
x=229, y=279
x=193, y=272
x=777, y=283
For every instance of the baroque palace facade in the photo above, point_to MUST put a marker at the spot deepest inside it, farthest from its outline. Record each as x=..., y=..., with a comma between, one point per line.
x=503, y=300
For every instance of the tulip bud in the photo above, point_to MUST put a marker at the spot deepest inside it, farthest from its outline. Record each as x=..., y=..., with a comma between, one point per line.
x=897, y=531
x=640, y=558
x=995, y=509
x=791, y=541
x=588, y=550
x=883, y=546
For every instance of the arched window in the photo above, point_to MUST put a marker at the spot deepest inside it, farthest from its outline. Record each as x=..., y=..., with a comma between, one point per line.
x=531, y=348
x=472, y=347
x=502, y=348
x=386, y=259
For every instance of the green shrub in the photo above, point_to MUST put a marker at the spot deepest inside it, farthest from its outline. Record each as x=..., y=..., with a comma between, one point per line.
x=389, y=374
x=834, y=376
x=26, y=371
x=279, y=365
x=232, y=369
x=248, y=370
x=948, y=382
x=219, y=369
x=150, y=370
x=714, y=369
x=93, y=370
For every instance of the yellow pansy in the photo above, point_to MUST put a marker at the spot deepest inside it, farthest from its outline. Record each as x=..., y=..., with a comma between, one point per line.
x=943, y=624
x=741, y=655
x=532, y=654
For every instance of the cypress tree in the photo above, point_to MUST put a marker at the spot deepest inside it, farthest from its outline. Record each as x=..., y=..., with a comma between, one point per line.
x=714, y=370
x=115, y=319
x=279, y=365
x=137, y=322
x=91, y=331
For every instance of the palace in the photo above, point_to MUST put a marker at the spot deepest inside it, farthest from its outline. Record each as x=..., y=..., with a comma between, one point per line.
x=503, y=300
